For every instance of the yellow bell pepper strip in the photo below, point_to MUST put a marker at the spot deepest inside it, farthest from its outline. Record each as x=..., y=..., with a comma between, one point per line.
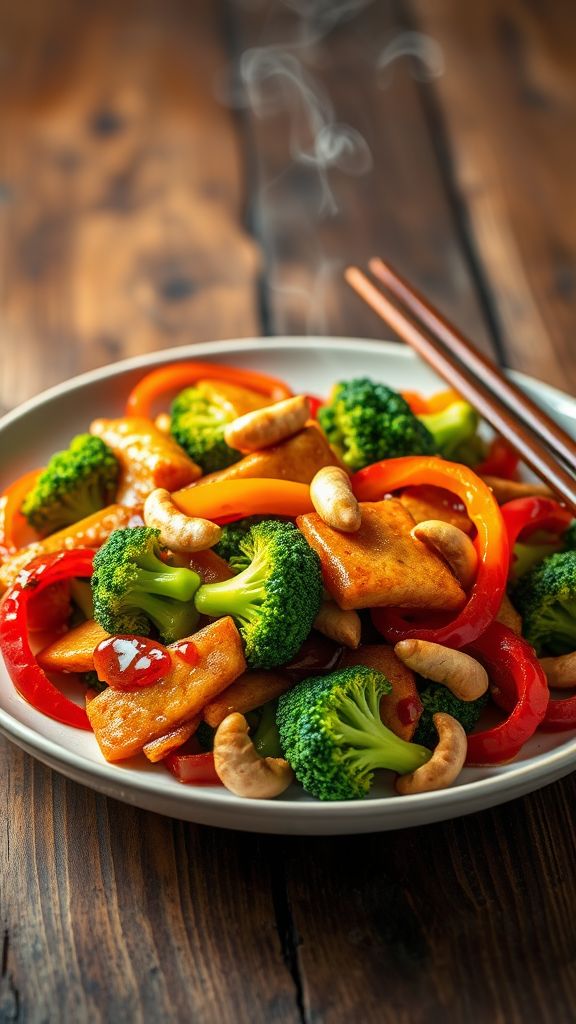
x=14, y=530
x=29, y=679
x=518, y=685
x=485, y=597
x=227, y=500
x=176, y=376
x=440, y=400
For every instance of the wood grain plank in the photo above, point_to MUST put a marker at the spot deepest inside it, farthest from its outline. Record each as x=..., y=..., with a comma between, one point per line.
x=121, y=187
x=110, y=913
x=467, y=920
x=508, y=100
x=312, y=220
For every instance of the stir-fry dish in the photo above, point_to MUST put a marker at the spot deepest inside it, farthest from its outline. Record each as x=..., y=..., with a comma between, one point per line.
x=256, y=588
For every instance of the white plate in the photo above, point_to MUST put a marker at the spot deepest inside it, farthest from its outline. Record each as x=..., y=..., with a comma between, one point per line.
x=30, y=434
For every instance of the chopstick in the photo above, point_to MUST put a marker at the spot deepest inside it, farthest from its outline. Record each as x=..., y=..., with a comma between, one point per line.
x=524, y=436
x=535, y=418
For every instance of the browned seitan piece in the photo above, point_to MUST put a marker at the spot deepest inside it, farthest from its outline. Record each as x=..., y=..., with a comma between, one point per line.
x=381, y=564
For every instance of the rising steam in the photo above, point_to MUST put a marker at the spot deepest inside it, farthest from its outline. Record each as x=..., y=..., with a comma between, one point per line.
x=275, y=80
x=428, y=58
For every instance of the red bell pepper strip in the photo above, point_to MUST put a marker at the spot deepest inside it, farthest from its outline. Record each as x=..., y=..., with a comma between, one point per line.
x=560, y=714
x=197, y=769
x=528, y=514
x=159, y=383
x=501, y=461
x=520, y=687
x=315, y=403
x=50, y=609
x=14, y=530
x=29, y=679
x=485, y=598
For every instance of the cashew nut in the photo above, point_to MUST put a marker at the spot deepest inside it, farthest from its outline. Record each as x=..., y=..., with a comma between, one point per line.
x=446, y=763
x=454, y=546
x=461, y=674
x=178, y=531
x=344, y=627
x=269, y=425
x=241, y=769
x=561, y=671
x=334, y=500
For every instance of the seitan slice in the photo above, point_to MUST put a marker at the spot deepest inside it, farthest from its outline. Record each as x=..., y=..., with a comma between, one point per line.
x=381, y=564
x=148, y=458
x=299, y=458
x=124, y=721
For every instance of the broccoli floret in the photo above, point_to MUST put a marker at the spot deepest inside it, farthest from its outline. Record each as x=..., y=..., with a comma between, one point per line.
x=438, y=698
x=228, y=547
x=134, y=589
x=454, y=432
x=366, y=421
x=275, y=597
x=546, y=600
x=333, y=737
x=197, y=423
x=75, y=484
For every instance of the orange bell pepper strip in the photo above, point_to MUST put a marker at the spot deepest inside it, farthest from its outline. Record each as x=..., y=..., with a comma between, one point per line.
x=418, y=403
x=485, y=597
x=14, y=530
x=227, y=500
x=176, y=376
x=422, y=404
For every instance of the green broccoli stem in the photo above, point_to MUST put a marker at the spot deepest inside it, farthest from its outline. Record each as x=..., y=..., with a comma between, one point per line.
x=169, y=581
x=238, y=596
x=372, y=745
x=173, y=619
x=451, y=427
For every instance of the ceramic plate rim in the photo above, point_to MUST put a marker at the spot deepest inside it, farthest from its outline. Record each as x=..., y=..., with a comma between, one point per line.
x=544, y=766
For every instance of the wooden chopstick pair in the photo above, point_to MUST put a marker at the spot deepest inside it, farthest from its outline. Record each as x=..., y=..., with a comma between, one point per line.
x=547, y=449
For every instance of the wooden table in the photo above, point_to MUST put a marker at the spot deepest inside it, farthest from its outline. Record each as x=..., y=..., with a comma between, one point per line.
x=144, y=203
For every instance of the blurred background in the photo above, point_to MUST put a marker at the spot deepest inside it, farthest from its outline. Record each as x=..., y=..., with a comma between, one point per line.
x=176, y=171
